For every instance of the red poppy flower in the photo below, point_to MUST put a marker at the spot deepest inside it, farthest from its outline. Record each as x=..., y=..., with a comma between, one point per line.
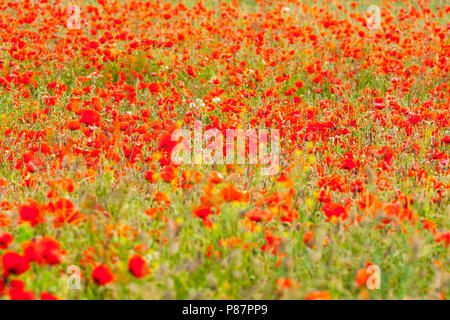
x=44, y=251
x=318, y=295
x=202, y=211
x=2, y=287
x=153, y=87
x=165, y=141
x=215, y=177
x=299, y=84
x=285, y=284
x=334, y=209
x=190, y=70
x=150, y=176
x=14, y=263
x=231, y=193
x=308, y=238
x=348, y=162
x=167, y=173
x=444, y=238
x=74, y=125
x=387, y=153
x=48, y=296
x=361, y=278
x=446, y=139
x=102, y=275
x=64, y=212
x=89, y=117
x=31, y=213
x=5, y=240
x=258, y=215
x=138, y=266
x=17, y=291
x=272, y=244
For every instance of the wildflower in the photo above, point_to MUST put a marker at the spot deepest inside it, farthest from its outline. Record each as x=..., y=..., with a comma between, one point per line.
x=215, y=177
x=298, y=84
x=89, y=117
x=361, y=278
x=308, y=238
x=64, y=211
x=14, y=263
x=334, y=210
x=443, y=237
x=2, y=287
x=48, y=296
x=348, y=162
x=318, y=295
x=74, y=125
x=272, y=243
x=31, y=213
x=259, y=215
x=17, y=291
x=5, y=239
x=102, y=275
x=202, y=212
x=43, y=251
x=286, y=284
x=168, y=173
x=150, y=176
x=138, y=266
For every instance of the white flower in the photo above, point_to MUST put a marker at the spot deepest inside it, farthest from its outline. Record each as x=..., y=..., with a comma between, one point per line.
x=200, y=102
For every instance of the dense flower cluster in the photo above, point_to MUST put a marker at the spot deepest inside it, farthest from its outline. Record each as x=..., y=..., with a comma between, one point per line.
x=87, y=114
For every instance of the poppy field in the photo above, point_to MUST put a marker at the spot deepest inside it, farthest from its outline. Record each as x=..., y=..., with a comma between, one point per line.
x=93, y=205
